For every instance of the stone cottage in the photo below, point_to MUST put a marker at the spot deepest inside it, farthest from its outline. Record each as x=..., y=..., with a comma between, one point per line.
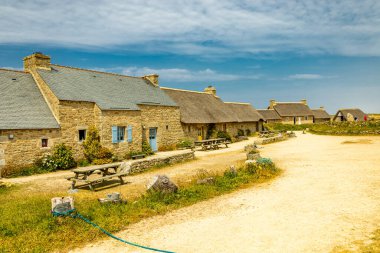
x=270, y=115
x=202, y=112
x=294, y=113
x=47, y=104
x=320, y=115
x=354, y=114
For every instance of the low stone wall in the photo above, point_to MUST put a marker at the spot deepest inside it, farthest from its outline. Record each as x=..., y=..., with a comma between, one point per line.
x=268, y=140
x=138, y=166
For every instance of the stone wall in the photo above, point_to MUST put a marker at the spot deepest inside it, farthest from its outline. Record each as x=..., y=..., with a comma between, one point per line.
x=121, y=118
x=232, y=128
x=139, y=166
x=167, y=121
x=25, y=147
x=290, y=120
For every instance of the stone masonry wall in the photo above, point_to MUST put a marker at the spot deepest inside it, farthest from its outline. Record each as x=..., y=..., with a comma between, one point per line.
x=25, y=147
x=232, y=128
x=120, y=118
x=290, y=120
x=167, y=121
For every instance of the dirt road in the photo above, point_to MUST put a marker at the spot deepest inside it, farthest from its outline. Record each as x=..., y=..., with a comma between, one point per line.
x=329, y=195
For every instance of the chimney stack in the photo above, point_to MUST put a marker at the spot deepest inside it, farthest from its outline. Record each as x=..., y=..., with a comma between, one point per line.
x=322, y=107
x=304, y=101
x=153, y=78
x=210, y=90
x=272, y=103
x=37, y=61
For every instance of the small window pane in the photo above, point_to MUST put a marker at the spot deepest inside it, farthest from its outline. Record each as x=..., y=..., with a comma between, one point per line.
x=120, y=133
x=82, y=135
x=44, y=143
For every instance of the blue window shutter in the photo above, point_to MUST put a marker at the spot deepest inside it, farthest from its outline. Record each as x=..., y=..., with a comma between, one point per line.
x=129, y=132
x=114, y=134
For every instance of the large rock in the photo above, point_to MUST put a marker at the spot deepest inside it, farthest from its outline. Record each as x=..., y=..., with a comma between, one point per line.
x=163, y=184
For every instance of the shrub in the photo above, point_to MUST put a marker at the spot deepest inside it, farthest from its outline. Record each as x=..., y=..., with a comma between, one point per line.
x=167, y=147
x=91, y=145
x=240, y=132
x=61, y=159
x=248, y=132
x=146, y=149
x=185, y=143
x=223, y=134
x=101, y=161
x=263, y=167
x=104, y=153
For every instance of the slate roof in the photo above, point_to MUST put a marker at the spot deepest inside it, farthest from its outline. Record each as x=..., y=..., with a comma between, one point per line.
x=357, y=113
x=269, y=114
x=109, y=91
x=244, y=112
x=204, y=108
x=292, y=109
x=22, y=105
x=320, y=114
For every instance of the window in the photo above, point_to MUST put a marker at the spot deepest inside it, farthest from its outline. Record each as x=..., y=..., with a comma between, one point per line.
x=167, y=127
x=118, y=134
x=44, y=143
x=305, y=117
x=82, y=135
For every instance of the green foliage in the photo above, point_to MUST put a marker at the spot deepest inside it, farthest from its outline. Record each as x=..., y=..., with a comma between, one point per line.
x=25, y=218
x=83, y=163
x=61, y=159
x=91, y=145
x=263, y=167
x=211, y=130
x=240, y=132
x=185, y=143
x=223, y=134
x=286, y=127
x=93, y=150
x=146, y=149
x=248, y=132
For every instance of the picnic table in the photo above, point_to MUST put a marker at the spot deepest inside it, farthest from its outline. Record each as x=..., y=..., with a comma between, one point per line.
x=106, y=171
x=211, y=143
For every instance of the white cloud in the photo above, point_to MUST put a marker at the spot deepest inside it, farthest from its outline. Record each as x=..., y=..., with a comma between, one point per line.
x=208, y=27
x=305, y=76
x=178, y=74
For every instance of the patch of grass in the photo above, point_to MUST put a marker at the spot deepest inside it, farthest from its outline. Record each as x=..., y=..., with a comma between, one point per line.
x=365, y=141
x=286, y=127
x=370, y=246
x=27, y=224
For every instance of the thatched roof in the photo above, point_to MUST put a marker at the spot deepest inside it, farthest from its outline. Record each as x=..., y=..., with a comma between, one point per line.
x=292, y=109
x=320, y=114
x=244, y=112
x=203, y=108
x=269, y=114
x=357, y=113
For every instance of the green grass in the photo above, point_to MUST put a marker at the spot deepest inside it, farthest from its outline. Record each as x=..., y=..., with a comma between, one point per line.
x=333, y=128
x=26, y=222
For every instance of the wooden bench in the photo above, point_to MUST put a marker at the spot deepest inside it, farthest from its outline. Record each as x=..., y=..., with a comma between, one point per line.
x=107, y=171
x=140, y=156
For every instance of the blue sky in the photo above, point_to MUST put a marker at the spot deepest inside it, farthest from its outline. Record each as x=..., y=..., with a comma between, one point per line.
x=325, y=51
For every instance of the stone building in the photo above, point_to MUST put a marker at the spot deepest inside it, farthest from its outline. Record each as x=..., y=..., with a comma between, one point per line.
x=202, y=112
x=320, y=115
x=48, y=104
x=294, y=113
x=350, y=115
x=270, y=116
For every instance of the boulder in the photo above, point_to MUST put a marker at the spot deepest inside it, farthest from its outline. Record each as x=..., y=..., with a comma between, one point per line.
x=233, y=170
x=162, y=183
x=250, y=161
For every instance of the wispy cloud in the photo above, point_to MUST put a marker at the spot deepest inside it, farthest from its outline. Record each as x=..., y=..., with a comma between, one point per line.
x=306, y=76
x=179, y=74
x=212, y=27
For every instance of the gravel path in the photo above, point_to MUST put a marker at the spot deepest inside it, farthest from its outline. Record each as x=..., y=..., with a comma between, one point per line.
x=329, y=195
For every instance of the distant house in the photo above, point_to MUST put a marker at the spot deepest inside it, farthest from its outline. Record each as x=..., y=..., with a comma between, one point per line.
x=320, y=115
x=294, y=113
x=202, y=111
x=350, y=115
x=48, y=104
x=270, y=116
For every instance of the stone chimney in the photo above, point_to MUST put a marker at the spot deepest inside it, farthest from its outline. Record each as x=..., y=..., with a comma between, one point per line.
x=272, y=103
x=210, y=90
x=153, y=78
x=304, y=101
x=37, y=61
x=322, y=107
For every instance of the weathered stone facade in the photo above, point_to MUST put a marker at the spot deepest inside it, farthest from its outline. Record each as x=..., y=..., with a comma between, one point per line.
x=297, y=120
x=22, y=147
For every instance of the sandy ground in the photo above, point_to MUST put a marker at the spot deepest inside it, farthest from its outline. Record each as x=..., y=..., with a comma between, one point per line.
x=329, y=195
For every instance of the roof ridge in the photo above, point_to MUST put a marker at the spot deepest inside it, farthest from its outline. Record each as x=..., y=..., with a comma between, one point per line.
x=194, y=91
x=14, y=70
x=289, y=103
x=97, y=71
x=349, y=109
x=238, y=103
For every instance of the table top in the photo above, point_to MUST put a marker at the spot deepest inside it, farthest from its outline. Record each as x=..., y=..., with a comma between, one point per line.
x=210, y=140
x=95, y=167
